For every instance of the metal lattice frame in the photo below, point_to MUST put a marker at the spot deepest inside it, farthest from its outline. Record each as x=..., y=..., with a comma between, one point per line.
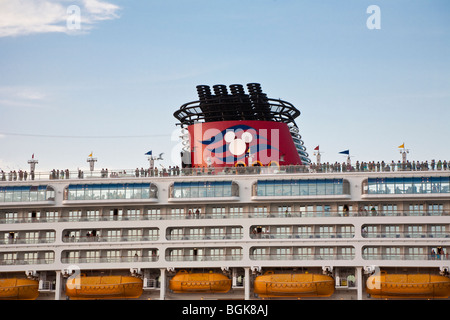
x=222, y=106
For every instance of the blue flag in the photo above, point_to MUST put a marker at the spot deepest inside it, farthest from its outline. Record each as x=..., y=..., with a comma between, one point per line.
x=149, y=153
x=345, y=152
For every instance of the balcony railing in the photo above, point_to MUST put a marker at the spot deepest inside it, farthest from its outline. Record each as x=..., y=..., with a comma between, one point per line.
x=422, y=257
x=305, y=235
x=19, y=240
x=302, y=256
x=191, y=258
x=120, y=259
x=20, y=261
x=187, y=236
x=407, y=234
x=223, y=215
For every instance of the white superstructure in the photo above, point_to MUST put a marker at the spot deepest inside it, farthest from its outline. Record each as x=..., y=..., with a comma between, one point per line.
x=240, y=223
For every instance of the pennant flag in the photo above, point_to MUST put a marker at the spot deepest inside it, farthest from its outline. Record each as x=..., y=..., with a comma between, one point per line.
x=32, y=156
x=316, y=148
x=149, y=153
x=345, y=152
x=402, y=146
x=90, y=155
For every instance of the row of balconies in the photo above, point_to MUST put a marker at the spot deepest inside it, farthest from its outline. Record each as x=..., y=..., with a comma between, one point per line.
x=259, y=253
x=12, y=217
x=225, y=233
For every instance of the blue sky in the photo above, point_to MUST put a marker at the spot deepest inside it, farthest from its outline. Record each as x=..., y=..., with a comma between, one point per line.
x=111, y=86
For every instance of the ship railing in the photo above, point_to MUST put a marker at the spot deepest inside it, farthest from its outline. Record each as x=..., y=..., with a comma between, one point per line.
x=28, y=261
x=231, y=215
x=188, y=236
x=117, y=259
x=315, y=256
x=268, y=256
x=193, y=258
x=428, y=256
x=406, y=256
x=172, y=171
x=236, y=236
x=311, y=256
x=407, y=234
x=305, y=235
x=305, y=214
x=20, y=240
x=444, y=256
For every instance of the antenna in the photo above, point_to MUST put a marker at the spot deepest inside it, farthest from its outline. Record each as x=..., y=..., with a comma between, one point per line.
x=92, y=162
x=32, y=162
x=403, y=152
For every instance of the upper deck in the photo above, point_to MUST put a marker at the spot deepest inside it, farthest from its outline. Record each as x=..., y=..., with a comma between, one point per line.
x=354, y=185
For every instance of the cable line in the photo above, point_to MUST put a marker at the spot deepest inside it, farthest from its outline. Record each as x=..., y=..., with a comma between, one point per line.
x=81, y=137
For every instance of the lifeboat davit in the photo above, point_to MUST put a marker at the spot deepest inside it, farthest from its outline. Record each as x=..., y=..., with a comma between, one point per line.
x=408, y=286
x=18, y=289
x=293, y=285
x=184, y=282
x=104, y=287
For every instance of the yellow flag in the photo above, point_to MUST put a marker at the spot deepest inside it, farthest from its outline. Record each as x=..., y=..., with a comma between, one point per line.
x=90, y=155
x=402, y=146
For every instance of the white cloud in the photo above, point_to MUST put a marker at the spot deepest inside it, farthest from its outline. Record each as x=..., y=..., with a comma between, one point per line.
x=22, y=97
x=100, y=10
x=43, y=16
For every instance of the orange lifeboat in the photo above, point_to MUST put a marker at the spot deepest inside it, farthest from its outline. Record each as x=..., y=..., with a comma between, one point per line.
x=104, y=287
x=408, y=286
x=293, y=285
x=184, y=282
x=18, y=289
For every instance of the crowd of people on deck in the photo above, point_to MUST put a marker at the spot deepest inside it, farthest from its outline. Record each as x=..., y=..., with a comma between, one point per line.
x=362, y=166
x=16, y=175
x=382, y=166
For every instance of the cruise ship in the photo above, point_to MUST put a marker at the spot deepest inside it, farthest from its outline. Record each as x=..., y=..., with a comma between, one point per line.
x=245, y=215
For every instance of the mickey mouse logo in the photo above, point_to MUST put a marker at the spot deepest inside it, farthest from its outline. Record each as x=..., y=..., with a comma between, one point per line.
x=238, y=146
